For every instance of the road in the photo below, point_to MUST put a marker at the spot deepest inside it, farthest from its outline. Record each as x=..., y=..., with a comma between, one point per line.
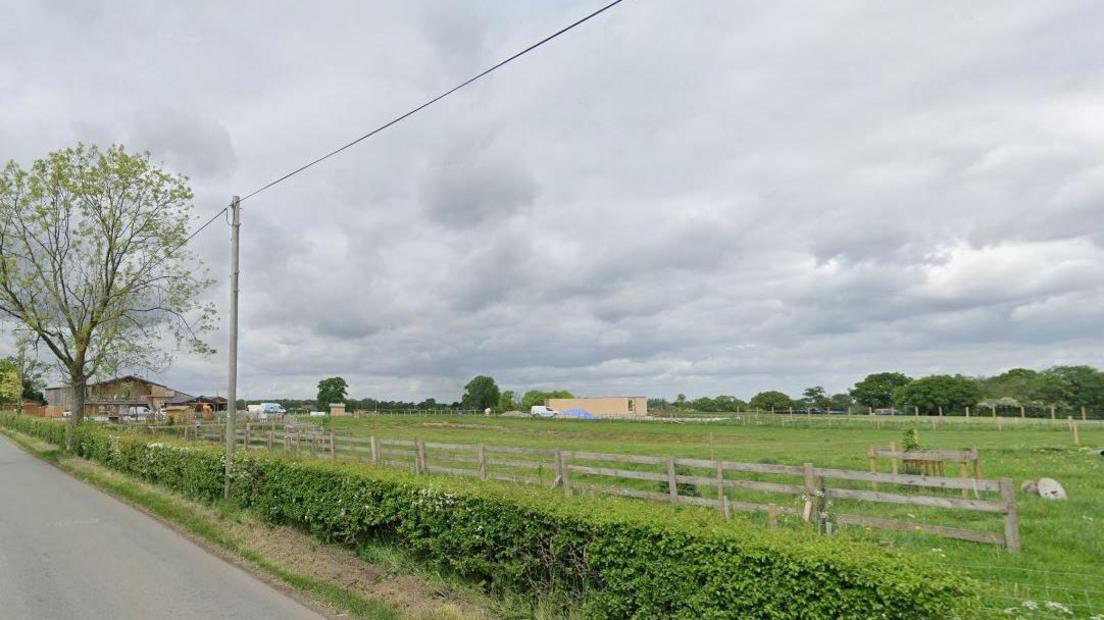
x=67, y=551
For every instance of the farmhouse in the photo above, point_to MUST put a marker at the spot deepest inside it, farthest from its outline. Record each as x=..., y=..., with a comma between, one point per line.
x=113, y=397
x=605, y=406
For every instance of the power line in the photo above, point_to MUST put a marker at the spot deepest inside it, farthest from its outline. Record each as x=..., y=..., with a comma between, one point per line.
x=431, y=101
x=200, y=229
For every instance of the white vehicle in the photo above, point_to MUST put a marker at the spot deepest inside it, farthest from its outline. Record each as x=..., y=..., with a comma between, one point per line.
x=318, y=414
x=540, y=411
x=140, y=412
x=254, y=408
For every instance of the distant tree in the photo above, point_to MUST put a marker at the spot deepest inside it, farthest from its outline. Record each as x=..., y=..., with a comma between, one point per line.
x=877, y=390
x=930, y=393
x=93, y=263
x=841, y=401
x=428, y=404
x=506, y=401
x=725, y=403
x=771, y=399
x=1019, y=384
x=332, y=390
x=816, y=396
x=11, y=383
x=480, y=393
x=1084, y=385
x=537, y=397
x=681, y=402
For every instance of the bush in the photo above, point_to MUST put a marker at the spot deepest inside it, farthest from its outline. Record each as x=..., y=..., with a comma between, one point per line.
x=616, y=558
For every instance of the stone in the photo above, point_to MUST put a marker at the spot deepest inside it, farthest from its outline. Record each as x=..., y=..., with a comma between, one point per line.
x=1031, y=487
x=1050, y=488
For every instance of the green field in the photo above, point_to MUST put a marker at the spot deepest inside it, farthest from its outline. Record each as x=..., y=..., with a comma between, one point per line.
x=1063, y=550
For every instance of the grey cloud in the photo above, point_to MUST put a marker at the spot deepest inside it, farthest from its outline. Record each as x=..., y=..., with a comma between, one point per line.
x=698, y=198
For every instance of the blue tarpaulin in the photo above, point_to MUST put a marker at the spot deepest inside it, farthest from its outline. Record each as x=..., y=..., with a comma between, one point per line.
x=582, y=414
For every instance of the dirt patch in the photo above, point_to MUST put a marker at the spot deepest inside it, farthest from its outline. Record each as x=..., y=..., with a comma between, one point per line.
x=299, y=553
x=478, y=427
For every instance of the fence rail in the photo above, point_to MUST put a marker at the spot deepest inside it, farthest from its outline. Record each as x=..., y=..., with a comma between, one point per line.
x=701, y=482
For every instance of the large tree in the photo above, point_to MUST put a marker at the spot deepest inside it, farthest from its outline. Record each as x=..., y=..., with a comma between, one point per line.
x=771, y=399
x=480, y=393
x=11, y=382
x=876, y=390
x=332, y=390
x=93, y=263
x=930, y=393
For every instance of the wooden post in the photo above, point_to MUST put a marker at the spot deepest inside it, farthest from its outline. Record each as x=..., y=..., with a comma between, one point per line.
x=941, y=411
x=1083, y=418
x=1076, y=438
x=419, y=456
x=482, y=462
x=964, y=473
x=246, y=439
x=967, y=413
x=1052, y=412
x=915, y=411
x=1022, y=413
x=873, y=466
x=722, y=497
x=772, y=516
x=333, y=447
x=298, y=442
x=287, y=447
x=1011, y=517
x=810, y=492
x=374, y=444
x=893, y=449
x=672, y=483
x=870, y=411
x=565, y=472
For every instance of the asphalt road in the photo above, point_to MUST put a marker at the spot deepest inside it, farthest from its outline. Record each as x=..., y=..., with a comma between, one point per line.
x=67, y=551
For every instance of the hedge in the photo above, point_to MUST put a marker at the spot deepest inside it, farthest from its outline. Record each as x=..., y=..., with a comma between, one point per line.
x=615, y=558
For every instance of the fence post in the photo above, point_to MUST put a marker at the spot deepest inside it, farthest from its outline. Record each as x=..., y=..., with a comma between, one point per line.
x=298, y=442
x=822, y=507
x=967, y=413
x=1076, y=438
x=482, y=462
x=245, y=440
x=722, y=497
x=333, y=447
x=810, y=492
x=672, y=483
x=1083, y=418
x=1022, y=413
x=1011, y=517
x=873, y=466
x=941, y=411
x=419, y=456
x=772, y=516
x=565, y=470
x=374, y=443
x=893, y=449
x=915, y=411
x=1052, y=412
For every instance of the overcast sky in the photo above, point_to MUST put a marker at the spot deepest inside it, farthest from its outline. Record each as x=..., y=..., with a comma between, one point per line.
x=698, y=197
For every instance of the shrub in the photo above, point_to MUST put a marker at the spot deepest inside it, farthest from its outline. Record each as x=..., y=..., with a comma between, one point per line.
x=616, y=558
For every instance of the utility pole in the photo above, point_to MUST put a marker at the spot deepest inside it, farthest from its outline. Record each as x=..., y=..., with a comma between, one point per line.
x=232, y=377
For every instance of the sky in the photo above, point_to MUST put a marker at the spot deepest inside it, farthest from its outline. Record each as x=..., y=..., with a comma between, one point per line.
x=677, y=197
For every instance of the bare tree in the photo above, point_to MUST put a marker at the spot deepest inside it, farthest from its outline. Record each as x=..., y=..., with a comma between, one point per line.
x=93, y=263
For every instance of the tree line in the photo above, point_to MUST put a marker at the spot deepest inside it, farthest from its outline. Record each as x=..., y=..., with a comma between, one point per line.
x=1064, y=387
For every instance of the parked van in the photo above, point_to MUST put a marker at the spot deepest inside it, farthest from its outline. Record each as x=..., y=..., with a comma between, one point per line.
x=540, y=411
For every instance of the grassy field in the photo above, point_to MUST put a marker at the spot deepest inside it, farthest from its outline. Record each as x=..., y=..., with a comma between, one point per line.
x=1062, y=563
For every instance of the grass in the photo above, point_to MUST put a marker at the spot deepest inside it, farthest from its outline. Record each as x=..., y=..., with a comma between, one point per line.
x=1060, y=562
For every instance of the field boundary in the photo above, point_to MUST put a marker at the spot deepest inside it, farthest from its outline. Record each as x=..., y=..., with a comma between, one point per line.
x=674, y=480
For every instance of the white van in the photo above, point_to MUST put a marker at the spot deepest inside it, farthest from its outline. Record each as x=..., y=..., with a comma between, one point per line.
x=540, y=411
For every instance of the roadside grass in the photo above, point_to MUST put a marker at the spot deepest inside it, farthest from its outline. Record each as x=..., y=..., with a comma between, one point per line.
x=234, y=532
x=1060, y=562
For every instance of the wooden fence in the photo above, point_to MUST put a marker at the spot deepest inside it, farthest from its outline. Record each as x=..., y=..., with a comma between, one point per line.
x=816, y=495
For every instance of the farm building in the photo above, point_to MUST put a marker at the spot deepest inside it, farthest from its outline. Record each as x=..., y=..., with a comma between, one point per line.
x=205, y=405
x=605, y=406
x=113, y=397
